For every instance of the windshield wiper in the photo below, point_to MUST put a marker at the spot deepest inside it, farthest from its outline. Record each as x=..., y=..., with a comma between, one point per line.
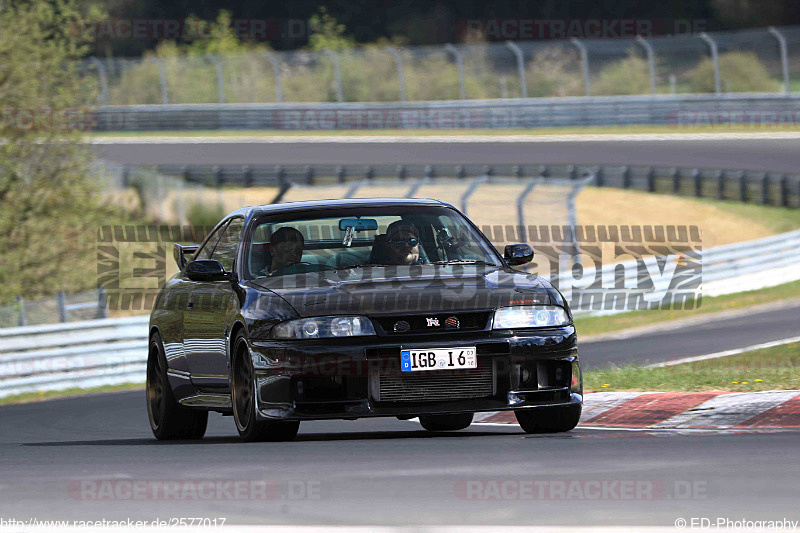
x=346, y=267
x=462, y=262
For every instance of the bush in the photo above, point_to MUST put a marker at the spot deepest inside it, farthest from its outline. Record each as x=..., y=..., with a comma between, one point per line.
x=626, y=76
x=739, y=72
x=205, y=215
x=554, y=71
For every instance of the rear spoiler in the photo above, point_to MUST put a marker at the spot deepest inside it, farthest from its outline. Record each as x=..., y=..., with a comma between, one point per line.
x=180, y=251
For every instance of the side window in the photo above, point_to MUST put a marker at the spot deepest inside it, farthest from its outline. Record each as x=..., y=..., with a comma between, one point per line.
x=205, y=251
x=228, y=244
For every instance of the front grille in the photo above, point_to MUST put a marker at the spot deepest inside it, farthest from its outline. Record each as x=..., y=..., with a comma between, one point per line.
x=438, y=385
x=434, y=322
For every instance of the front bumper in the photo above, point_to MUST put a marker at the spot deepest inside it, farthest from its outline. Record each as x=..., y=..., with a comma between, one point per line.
x=341, y=378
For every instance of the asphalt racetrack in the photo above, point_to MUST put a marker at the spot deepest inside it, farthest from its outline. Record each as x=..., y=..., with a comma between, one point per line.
x=58, y=456
x=707, y=336
x=777, y=155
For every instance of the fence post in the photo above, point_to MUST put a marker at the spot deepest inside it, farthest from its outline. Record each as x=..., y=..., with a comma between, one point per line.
x=676, y=182
x=572, y=216
x=247, y=176
x=337, y=74
x=401, y=81
x=712, y=45
x=784, y=194
x=471, y=189
x=698, y=183
x=651, y=63
x=742, y=186
x=214, y=60
x=162, y=78
x=787, y=86
x=62, y=306
x=523, y=233
x=462, y=90
x=276, y=71
x=584, y=64
x=523, y=85
x=22, y=318
x=101, y=69
x=102, y=307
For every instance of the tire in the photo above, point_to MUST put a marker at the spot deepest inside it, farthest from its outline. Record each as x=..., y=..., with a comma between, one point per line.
x=446, y=422
x=169, y=420
x=549, y=419
x=243, y=401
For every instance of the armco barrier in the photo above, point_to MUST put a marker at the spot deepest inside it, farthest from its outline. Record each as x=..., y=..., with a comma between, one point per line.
x=761, y=110
x=77, y=354
x=767, y=188
x=111, y=351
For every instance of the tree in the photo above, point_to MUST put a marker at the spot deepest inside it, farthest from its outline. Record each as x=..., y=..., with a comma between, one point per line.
x=46, y=196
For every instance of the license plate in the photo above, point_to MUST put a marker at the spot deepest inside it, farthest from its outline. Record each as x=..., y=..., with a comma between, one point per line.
x=438, y=359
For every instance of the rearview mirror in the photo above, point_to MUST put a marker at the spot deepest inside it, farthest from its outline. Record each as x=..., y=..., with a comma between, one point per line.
x=358, y=224
x=518, y=254
x=206, y=270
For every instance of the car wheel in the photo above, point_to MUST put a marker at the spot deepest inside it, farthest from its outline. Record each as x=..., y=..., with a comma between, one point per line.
x=169, y=420
x=243, y=400
x=446, y=422
x=549, y=419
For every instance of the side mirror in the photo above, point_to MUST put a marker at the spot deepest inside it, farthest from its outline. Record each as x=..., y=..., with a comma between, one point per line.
x=518, y=254
x=206, y=270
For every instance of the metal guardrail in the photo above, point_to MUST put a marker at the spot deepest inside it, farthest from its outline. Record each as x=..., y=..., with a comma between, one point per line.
x=767, y=188
x=73, y=355
x=111, y=351
x=687, y=111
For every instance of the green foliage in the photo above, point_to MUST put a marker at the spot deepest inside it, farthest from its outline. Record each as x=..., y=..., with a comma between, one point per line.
x=48, y=202
x=205, y=215
x=626, y=76
x=739, y=72
x=554, y=71
x=327, y=32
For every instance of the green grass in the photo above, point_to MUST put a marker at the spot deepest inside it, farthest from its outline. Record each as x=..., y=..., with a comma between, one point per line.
x=768, y=369
x=68, y=393
x=589, y=130
x=777, y=219
x=603, y=324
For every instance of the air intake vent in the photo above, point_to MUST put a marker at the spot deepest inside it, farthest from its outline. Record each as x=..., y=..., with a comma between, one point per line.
x=438, y=385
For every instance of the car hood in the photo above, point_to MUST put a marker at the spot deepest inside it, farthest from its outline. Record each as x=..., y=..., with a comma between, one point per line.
x=409, y=289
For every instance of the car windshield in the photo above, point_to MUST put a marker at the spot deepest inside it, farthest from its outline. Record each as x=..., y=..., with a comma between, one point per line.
x=364, y=237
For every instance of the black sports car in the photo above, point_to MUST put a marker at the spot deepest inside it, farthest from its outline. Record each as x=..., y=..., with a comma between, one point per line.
x=356, y=308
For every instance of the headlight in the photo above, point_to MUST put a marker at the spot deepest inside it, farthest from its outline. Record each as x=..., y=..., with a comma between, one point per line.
x=324, y=327
x=533, y=316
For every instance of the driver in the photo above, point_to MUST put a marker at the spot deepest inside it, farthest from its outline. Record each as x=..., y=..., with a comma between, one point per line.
x=402, y=244
x=286, y=246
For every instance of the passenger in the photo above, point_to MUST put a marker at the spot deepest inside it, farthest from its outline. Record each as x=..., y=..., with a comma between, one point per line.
x=286, y=246
x=402, y=244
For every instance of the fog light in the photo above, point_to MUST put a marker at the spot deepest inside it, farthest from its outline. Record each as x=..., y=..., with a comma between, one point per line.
x=525, y=375
x=559, y=375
